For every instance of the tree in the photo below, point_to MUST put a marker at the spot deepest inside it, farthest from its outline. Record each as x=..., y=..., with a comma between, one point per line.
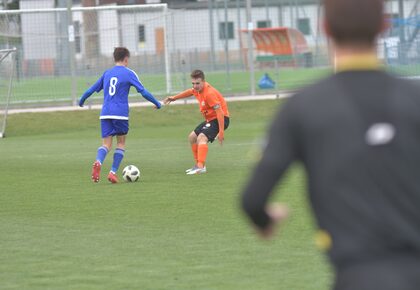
x=10, y=4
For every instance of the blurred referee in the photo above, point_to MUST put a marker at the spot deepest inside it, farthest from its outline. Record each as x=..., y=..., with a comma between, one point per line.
x=357, y=133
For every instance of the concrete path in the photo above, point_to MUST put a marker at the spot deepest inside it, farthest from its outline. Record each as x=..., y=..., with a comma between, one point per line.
x=148, y=104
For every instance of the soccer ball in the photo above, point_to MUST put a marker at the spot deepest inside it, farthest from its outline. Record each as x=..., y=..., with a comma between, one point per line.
x=131, y=173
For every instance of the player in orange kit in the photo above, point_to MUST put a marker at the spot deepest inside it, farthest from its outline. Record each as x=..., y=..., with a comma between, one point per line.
x=215, y=111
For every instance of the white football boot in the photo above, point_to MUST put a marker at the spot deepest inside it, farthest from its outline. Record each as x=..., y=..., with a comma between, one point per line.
x=192, y=168
x=197, y=170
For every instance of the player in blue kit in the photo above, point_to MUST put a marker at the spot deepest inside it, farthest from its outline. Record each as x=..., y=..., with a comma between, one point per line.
x=116, y=83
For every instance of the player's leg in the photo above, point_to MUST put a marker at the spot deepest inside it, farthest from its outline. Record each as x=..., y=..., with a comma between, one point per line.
x=103, y=150
x=202, y=150
x=107, y=132
x=118, y=157
x=121, y=129
x=192, y=138
x=118, y=153
x=208, y=132
x=100, y=157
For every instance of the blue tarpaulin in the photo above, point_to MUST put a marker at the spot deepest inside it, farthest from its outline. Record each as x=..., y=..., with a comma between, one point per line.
x=266, y=82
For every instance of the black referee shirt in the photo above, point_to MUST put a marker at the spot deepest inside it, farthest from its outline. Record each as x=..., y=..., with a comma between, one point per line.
x=357, y=134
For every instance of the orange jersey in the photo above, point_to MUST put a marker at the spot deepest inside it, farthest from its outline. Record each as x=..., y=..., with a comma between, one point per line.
x=207, y=99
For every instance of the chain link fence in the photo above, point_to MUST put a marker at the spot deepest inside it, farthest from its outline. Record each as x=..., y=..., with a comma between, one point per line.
x=61, y=52
x=7, y=66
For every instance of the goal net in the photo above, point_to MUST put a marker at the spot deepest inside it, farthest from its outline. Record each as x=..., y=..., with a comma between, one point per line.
x=7, y=65
x=62, y=52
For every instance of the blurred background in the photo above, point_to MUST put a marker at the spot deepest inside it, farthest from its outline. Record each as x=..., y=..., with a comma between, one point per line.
x=245, y=47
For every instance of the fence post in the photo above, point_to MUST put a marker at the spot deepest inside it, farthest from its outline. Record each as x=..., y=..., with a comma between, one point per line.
x=167, y=52
x=71, y=39
x=250, y=47
x=227, y=62
x=212, y=53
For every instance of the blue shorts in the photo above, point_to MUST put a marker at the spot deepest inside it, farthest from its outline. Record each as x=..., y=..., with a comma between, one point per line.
x=112, y=127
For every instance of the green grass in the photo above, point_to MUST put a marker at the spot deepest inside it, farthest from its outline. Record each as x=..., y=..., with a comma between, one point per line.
x=167, y=231
x=405, y=70
x=59, y=88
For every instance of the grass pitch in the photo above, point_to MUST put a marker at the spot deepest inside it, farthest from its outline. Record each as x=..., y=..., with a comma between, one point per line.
x=44, y=89
x=59, y=230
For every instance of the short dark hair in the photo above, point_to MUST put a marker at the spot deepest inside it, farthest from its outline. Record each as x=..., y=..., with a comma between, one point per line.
x=354, y=21
x=197, y=74
x=120, y=53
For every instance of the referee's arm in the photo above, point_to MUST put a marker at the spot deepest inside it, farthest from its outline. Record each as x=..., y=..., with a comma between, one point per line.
x=278, y=155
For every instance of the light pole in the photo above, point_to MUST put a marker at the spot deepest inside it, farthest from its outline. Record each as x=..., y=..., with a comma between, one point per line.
x=250, y=46
x=401, y=16
x=212, y=55
x=226, y=32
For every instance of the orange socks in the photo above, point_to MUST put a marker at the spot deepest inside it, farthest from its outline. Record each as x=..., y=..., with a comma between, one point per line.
x=202, y=154
x=194, y=148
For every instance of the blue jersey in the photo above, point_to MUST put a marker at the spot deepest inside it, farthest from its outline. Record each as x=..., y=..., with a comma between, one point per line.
x=116, y=83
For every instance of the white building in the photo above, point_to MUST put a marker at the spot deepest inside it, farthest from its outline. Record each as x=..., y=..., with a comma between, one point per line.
x=191, y=28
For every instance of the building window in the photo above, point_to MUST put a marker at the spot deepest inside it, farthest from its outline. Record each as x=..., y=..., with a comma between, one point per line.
x=264, y=24
x=304, y=26
x=222, y=30
x=142, y=34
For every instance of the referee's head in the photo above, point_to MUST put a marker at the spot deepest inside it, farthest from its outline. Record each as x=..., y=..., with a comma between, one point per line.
x=354, y=22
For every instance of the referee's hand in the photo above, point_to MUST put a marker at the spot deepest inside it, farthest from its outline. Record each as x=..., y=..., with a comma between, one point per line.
x=278, y=213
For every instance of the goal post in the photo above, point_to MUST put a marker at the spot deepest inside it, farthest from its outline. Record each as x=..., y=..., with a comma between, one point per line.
x=143, y=29
x=7, y=67
x=65, y=50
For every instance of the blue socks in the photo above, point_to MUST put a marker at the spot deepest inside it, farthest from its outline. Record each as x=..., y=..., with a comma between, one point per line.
x=102, y=152
x=118, y=157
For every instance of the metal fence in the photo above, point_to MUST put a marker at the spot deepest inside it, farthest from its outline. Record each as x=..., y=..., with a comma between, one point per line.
x=7, y=57
x=63, y=51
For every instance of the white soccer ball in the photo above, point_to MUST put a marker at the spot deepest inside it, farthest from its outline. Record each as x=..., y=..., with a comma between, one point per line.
x=131, y=173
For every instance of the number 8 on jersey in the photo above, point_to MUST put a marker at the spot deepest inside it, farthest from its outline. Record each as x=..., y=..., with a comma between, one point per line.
x=113, y=86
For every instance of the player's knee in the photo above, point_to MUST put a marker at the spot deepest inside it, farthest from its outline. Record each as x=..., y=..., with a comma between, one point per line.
x=202, y=139
x=121, y=144
x=192, y=137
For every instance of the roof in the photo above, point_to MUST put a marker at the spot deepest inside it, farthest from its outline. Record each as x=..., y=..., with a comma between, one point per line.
x=188, y=4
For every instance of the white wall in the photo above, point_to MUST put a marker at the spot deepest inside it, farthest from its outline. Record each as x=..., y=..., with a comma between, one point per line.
x=129, y=32
x=392, y=6
x=188, y=30
x=108, y=31
x=39, y=30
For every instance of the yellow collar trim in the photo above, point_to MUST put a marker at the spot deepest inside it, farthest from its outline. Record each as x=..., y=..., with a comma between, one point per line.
x=358, y=62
